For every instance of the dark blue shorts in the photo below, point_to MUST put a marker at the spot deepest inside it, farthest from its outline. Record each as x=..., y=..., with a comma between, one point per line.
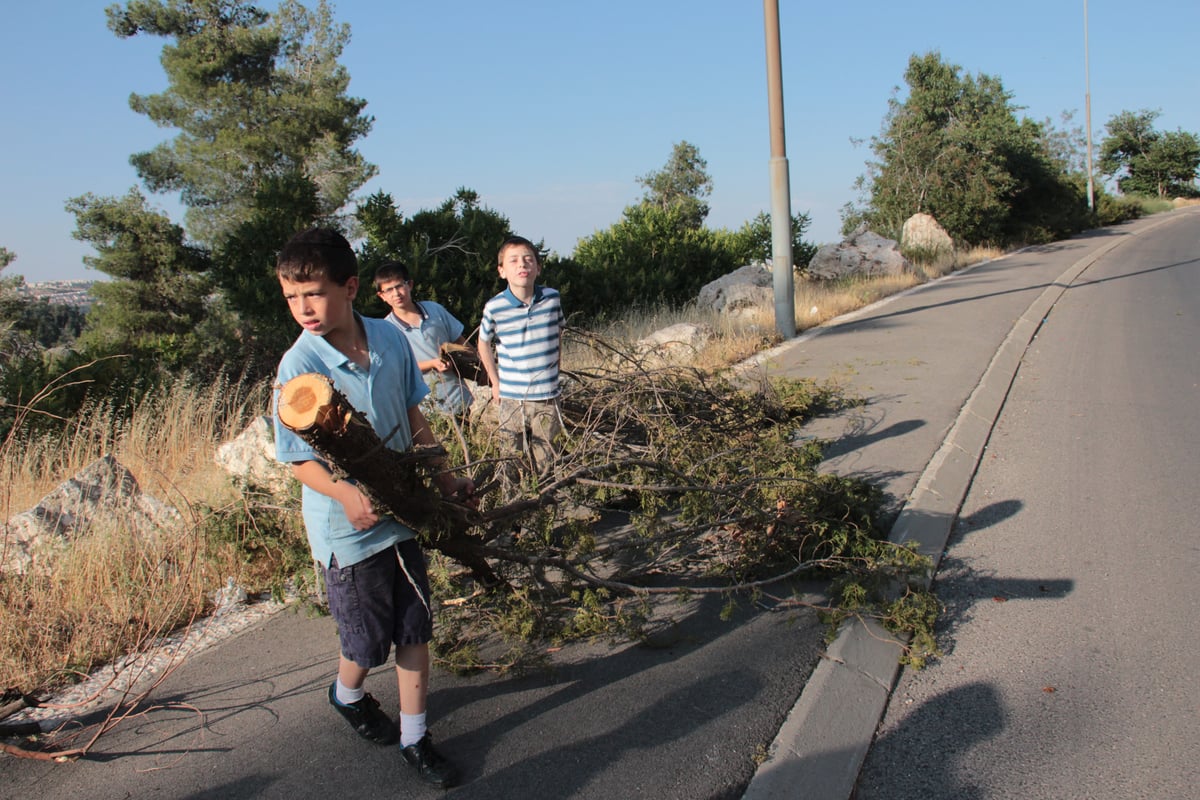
x=379, y=602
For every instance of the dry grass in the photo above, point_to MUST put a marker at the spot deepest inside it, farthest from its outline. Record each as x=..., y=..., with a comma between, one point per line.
x=110, y=592
x=115, y=587
x=736, y=338
x=742, y=335
x=167, y=443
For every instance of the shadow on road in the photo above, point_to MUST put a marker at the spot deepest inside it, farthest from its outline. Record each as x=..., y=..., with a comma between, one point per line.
x=862, y=432
x=919, y=757
x=961, y=586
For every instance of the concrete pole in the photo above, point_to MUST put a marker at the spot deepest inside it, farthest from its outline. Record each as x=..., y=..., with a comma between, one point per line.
x=781, y=206
x=1087, y=114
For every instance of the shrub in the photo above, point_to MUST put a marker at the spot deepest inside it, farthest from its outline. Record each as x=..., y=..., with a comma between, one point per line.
x=650, y=257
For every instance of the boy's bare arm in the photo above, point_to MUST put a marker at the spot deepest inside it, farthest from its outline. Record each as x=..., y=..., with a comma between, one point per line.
x=488, y=359
x=440, y=364
x=317, y=477
x=433, y=365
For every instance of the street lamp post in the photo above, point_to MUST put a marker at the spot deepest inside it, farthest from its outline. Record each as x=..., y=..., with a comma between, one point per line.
x=781, y=207
x=1087, y=112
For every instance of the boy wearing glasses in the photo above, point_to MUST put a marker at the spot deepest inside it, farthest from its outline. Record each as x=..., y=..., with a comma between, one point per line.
x=427, y=326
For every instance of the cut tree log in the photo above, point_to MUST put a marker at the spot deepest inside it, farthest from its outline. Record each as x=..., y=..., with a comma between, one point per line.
x=464, y=359
x=396, y=483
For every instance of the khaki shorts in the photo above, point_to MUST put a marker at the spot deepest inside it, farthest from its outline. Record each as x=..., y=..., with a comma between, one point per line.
x=530, y=427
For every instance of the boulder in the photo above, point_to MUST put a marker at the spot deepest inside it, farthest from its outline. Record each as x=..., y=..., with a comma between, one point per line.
x=922, y=231
x=675, y=344
x=229, y=599
x=864, y=254
x=103, y=492
x=746, y=288
x=250, y=458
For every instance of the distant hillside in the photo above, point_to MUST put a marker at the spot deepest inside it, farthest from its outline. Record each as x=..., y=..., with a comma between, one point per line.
x=68, y=293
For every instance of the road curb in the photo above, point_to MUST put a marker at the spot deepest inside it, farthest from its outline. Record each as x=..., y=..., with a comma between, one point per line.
x=823, y=743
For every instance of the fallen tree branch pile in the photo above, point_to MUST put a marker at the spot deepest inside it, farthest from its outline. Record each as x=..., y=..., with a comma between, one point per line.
x=669, y=481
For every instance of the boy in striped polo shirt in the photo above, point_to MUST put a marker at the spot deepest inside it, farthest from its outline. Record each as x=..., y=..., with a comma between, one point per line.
x=520, y=346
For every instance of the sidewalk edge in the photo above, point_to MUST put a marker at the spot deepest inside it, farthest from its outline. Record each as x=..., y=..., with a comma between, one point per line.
x=823, y=743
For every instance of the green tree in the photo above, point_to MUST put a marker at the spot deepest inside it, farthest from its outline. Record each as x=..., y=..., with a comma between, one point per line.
x=1147, y=161
x=155, y=308
x=450, y=251
x=254, y=96
x=754, y=241
x=955, y=149
x=265, y=147
x=682, y=183
x=660, y=252
x=652, y=255
x=12, y=344
x=52, y=324
x=244, y=269
x=27, y=328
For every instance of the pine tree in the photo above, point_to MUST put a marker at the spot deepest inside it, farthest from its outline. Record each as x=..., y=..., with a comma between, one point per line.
x=265, y=147
x=682, y=183
x=154, y=308
x=255, y=97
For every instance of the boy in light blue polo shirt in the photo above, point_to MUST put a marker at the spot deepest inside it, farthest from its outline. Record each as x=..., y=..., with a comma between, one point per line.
x=374, y=569
x=427, y=326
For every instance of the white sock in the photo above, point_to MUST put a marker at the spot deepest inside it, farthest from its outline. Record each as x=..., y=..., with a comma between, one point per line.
x=412, y=728
x=347, y=696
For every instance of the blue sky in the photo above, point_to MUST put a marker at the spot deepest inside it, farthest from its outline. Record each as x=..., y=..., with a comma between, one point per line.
x=550, y=110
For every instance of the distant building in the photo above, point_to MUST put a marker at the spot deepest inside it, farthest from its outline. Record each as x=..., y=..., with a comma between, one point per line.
x=67, y=293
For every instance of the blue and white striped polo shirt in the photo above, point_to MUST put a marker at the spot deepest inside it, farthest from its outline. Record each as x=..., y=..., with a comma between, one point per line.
x=527, y=341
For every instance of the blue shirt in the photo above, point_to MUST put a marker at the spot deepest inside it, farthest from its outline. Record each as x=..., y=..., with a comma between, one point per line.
x=383, y=394
x=436, y=327
x=527, y=340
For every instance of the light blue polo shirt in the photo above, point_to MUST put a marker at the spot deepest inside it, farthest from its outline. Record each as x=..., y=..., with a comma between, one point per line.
x=437, y=326
x=383, y=393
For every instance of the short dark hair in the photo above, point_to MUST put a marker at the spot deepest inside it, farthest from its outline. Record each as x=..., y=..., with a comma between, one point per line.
x=517, y=241
x=391, y=271
x=317, y=253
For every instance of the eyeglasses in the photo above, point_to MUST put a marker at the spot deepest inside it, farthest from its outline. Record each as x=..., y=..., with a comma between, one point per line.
x=395, y=288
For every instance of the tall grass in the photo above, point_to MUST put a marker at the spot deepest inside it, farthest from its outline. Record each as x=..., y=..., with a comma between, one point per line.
x=167, y=441
x=114, y=587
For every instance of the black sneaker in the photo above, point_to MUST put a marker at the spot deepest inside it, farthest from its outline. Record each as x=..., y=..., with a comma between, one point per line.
x=429, y=763
x=366, y=718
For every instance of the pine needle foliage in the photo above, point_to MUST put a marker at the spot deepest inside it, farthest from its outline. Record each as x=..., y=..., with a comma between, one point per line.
x=670, y=482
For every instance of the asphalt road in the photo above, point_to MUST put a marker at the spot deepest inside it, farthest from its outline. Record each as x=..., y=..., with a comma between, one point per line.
x=689, y=714
x=1069, y=583
x=677, y=718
